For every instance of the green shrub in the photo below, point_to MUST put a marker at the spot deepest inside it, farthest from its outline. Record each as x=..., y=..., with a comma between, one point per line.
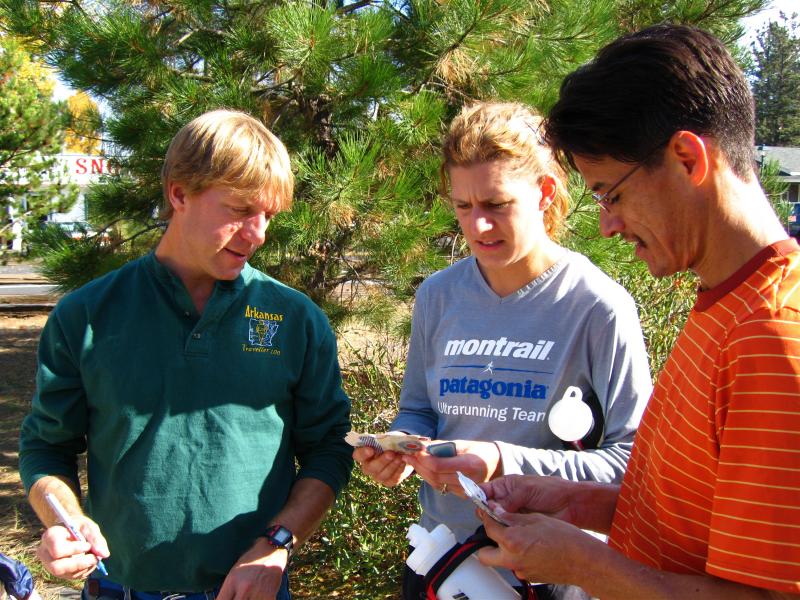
x=360, y=549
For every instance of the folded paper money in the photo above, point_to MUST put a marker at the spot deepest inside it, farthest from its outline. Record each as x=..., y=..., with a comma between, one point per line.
x=402, y=443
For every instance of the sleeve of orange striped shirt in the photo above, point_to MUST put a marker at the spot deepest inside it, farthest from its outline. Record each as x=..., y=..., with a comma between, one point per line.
x=755, y=527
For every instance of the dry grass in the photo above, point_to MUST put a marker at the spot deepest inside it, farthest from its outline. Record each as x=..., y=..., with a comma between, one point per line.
x=19, y=526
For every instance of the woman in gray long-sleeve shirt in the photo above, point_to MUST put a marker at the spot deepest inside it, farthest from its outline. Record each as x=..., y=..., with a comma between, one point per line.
x=497, y=338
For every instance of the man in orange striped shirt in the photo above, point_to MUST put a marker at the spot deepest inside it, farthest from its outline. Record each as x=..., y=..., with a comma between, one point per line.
x=661, y=126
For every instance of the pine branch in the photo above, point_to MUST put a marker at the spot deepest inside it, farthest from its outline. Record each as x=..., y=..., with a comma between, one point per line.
x=95, y=138
x=74, y=3
x=148, y=229
x=355, y=6
x=452, y=48
x=160, y=15
x=266, y=89
x=280, y=113
x=715, y=6
x=19, y=152
x=453, y=91
x=398, y=13
x=185, y=37
x=190, y=75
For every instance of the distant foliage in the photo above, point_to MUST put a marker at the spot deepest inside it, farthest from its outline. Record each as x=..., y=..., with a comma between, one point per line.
x=775, y=187
x=361, y=547
x=775, y=75
x=83, y=133
x=31, y=131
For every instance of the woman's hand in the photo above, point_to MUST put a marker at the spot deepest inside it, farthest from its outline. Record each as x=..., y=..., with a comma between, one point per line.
x=480, y=461
x=386, y=468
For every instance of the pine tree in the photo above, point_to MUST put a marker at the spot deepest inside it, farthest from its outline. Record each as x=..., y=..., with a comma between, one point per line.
x=776, y=82
x=31, y=131
x=360, y=91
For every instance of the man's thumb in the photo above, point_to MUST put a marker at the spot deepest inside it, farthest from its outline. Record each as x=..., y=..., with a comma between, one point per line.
x=490, y=556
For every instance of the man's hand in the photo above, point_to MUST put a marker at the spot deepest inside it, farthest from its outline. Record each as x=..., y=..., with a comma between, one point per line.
x=532, y=493
x=386, y=468
x=585, y=504
x=257, y=574
x=64, y=557
x=480, y=461
x=538, y=548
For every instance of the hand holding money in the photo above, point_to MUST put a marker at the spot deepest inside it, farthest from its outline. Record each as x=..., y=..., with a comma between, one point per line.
x=379, y=457
x=402, y=443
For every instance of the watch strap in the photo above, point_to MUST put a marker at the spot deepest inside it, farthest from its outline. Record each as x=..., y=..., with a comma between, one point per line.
x=280, y=537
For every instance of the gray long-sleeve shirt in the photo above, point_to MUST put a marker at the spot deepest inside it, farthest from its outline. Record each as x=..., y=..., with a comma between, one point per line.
x=482, y=367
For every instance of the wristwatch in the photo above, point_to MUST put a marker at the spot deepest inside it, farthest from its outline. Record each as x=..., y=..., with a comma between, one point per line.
x=280, y=537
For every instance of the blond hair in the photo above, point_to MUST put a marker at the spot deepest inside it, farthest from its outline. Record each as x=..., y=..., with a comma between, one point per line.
x=230, y=149
x=507, y=131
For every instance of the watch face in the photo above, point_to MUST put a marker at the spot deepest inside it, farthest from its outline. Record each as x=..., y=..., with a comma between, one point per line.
x=280, y=536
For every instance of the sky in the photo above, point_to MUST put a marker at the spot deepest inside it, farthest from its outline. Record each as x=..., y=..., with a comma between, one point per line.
x=752, y=25
x=771, y=13
x=61, y=91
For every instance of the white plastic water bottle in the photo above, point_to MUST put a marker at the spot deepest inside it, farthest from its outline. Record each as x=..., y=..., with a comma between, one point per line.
x=470, y=581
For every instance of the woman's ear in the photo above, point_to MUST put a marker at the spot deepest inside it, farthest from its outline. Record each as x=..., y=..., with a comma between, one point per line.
x=548, y=187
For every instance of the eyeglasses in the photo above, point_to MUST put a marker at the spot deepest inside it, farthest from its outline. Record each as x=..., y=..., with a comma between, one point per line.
x=603, y=199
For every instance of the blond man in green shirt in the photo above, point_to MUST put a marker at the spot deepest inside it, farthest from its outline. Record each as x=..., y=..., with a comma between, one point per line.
x=194, y=382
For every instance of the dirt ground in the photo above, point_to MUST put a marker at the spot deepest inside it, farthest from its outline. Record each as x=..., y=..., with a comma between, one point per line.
x=19, y=334
x=19, y=527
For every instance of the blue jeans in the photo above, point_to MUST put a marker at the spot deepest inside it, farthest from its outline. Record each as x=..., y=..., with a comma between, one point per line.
x=102, y=588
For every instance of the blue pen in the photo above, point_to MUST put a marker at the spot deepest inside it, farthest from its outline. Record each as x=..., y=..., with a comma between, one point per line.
x=67, y=522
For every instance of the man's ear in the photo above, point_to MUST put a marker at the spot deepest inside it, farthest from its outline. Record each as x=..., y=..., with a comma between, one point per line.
x=177, y=196
x=692, y=155
x=547, y=185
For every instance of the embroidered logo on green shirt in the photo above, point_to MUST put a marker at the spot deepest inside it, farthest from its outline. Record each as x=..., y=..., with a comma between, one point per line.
x=262, y=327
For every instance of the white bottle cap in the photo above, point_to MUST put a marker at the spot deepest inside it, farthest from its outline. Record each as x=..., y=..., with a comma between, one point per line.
x=570, y=419
x=429, y=547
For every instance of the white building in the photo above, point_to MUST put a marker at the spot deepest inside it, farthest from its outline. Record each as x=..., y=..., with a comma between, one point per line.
x=788, y=158
x=79, y=169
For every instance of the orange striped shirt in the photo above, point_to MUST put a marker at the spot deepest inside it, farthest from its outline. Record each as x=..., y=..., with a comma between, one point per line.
x=713, y=483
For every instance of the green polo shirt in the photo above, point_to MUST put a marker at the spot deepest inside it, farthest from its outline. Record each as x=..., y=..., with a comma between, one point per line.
x=192, y=423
